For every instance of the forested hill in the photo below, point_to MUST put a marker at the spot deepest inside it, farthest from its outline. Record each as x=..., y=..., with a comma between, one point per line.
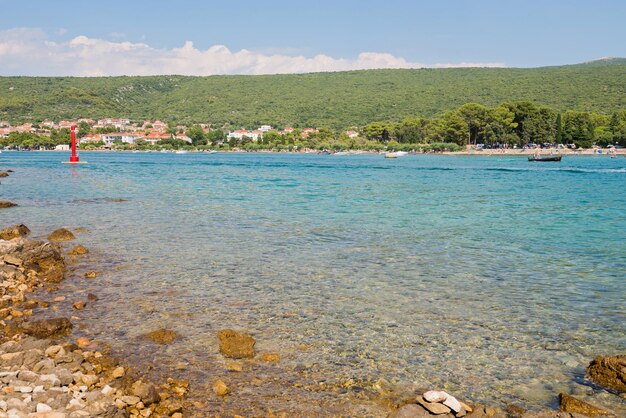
x=334, y=100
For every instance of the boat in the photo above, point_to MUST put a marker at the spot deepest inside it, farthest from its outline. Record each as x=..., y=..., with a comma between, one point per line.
x=396, y=154
x=182, y=151
x=545, y=158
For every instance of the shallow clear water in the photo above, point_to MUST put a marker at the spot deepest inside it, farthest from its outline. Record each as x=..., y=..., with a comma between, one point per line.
x=493, y=277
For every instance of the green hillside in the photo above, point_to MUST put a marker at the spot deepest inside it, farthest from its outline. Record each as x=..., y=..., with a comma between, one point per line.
x=334, y=100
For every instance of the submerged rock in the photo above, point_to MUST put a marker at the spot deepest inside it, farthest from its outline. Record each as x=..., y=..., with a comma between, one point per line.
x=236, y=344
x=270, y=358
x=609, y=371
x=433, y=407
x=570, y=404
x=4, y=174
x=162, y=336
x=220, y=388
x=78, y=250
x=79, y=305
x=6, y=204
x=61, y=235
x=46, y=328
x=91, y=274
x=15, y=231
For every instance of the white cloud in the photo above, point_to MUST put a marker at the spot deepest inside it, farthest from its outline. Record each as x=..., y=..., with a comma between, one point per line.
x=28, y=51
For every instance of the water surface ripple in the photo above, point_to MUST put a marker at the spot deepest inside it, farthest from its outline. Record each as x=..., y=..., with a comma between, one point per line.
x=492, y=277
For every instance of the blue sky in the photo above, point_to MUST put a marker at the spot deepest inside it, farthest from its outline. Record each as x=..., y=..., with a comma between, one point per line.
x=405, y=33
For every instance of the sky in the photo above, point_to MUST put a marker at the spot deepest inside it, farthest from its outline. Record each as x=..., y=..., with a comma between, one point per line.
x=193, y=37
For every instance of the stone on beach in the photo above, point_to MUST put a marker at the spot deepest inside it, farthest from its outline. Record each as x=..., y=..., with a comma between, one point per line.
x=78, y=250
x=61, y=235
x=15, y=231
x=4, y=174
x=609, y=371
x=570, y=404
x=410, y=411
x=433, y=407
x=146, y=392
x=236, y=344
x=444, y=398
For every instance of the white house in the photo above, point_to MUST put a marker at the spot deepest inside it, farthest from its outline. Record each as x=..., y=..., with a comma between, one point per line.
x=125, y=137
x=265, y=128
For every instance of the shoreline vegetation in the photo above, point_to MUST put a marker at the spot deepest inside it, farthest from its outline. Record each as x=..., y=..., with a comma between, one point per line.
x=48, y=370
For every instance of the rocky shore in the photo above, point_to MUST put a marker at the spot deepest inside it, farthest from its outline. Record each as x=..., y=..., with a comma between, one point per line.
x=46, y=371
x=43, y=372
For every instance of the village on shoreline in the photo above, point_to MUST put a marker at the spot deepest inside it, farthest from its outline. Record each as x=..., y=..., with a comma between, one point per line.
x=510, y=128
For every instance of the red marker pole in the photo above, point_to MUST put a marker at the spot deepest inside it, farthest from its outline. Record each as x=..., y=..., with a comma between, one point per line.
x=74, y=157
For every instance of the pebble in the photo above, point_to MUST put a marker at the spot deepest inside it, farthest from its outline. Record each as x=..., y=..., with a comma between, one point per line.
x=118, y=372
x=220, y=388
x=42, y=407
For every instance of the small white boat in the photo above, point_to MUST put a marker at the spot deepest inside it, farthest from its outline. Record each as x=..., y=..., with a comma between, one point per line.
x=396, y=154
x=342, y=153
x=182, y=151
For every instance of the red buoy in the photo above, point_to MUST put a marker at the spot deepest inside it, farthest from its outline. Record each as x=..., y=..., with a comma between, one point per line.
x=74, y=157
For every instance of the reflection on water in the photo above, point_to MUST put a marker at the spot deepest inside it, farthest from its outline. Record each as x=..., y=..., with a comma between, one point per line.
x=493, y=278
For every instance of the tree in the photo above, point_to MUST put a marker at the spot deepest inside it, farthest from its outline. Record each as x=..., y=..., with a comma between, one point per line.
x=378, y=131
x=215, y=136
x=558, y=127
x=83, y=129
x=197, y=135
x=451, y=127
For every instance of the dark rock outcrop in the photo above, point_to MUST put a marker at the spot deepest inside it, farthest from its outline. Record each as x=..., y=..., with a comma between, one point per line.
x=609, y=372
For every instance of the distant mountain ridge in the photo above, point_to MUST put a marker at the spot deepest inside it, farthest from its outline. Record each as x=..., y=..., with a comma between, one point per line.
x=335, y=100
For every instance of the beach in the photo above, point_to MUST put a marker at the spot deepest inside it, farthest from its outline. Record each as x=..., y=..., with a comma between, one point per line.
x=363, y=283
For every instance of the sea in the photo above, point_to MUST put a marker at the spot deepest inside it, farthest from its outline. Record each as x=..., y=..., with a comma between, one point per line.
x=491, y=277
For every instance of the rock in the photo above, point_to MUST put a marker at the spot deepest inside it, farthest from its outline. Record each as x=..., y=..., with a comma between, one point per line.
x=435, y=396
x=15, y=231
x=80, y=230
x=433, y=407
x=236, y=344
x=146, y=391
x=92, y=297
x=570, y=404
x=452, y=403
x=83, y=342
x=6, y=204
x=79, y=305
x=4, y=174
x=61, y=235
x=78, y=250
x=41, y=257
x=609, y=371
x=130, y=400
x=55, y=351
x=220, y=388
x=234, y=366
x=46, y=328
x=118, y=372
x=42, y=407
x=91, y=274
x=270, y=358
x=13, y=260
x=162, y=336
x=410, y=411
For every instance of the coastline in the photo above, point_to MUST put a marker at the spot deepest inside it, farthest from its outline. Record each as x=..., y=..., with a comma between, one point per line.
x=377, y=394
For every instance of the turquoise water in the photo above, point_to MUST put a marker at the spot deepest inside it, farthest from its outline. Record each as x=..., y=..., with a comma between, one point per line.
x=492, y=277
